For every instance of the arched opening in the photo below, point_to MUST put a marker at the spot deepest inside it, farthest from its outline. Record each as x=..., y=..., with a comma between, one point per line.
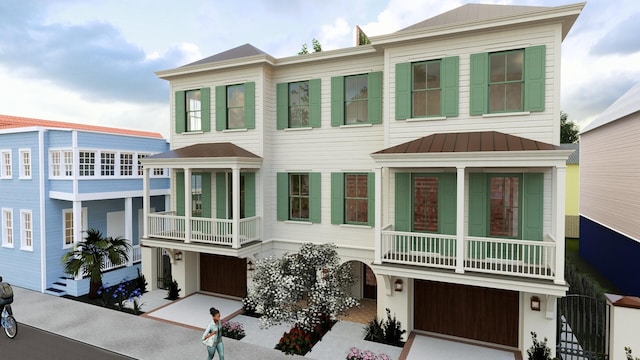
x=365, y=291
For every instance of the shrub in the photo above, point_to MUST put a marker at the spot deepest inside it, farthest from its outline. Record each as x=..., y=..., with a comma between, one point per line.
x=295, y=342
x=234, y=330
x=539, y=350
x=141, y=282
x=390, y=332
x=356, y=354
x=627, y=351
x=174, y=290
x=374, y=331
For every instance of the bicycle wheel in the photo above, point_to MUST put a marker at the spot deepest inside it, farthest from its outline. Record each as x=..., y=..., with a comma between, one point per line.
x=11, y=327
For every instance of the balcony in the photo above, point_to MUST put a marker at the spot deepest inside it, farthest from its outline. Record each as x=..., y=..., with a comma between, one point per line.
x=523, y=258
x=169, y=226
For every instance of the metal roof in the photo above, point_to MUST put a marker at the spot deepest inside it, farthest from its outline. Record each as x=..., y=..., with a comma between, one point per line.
x=574, y=158
x=206, y=150
x=627, y=104
x=235, y=53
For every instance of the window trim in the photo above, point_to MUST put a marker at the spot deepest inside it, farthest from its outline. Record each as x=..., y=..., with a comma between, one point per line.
x=504, y=54
x=439, y=89
x=221, y=101
x=283, y=200
x=6, y=169
x=83, y=212
x=5, y=229
x=26, y=169
x=26, y=233
x=521, y=204
x=282, y=105
x=189, y=112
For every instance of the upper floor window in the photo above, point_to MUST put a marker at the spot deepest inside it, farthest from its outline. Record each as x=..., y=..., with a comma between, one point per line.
x=25, y=164
x=298, y=104
x=26, y=239
x=298, y=197
x=508, y=81
x=5, y=170
x=192, y=112
x=427, y=88
x=7, y=227
x=235, y=106
x=356, y=99
x=68, y=163
x=87, y=161
x=356, y=198
x=140, y=167
x=126, y=164
x=504, y=206
x=55, y=163
x=196, y=195
x=61, y=163
x=107, y=164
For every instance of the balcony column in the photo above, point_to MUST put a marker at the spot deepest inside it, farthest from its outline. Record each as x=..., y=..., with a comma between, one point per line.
x=146, y=202
x=235, y=217
x=377, y=250
x=188, y=202
x=77, y=228
x=557, y=227
x=460, y=220
x=128, y=226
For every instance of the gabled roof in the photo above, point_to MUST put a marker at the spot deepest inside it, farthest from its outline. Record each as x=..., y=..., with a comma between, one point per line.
x=467, y=142
x=474, y=12
x=574, y=158
x=15, y=122
x=235, y=53
x=627, y=104
x=207, y=150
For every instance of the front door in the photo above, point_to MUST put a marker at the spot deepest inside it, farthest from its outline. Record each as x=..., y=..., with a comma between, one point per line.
x=369, y=284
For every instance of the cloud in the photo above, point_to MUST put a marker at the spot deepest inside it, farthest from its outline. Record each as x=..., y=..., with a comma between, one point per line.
x=93, y=58
x=622, y=39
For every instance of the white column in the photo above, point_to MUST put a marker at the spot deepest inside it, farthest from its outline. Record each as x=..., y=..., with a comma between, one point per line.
x=377, y=250
x=460, y=220
x=146, y=202
x=235, y=218
x=559, y=188
x=128, y=226
x=188, y=200
x=77, y=227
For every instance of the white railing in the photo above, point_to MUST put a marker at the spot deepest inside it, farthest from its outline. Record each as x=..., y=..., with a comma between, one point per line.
x=136, y=255
x=514, y=257
x=166, y=225
x=211, y=231
x=249, y=229
x=526, y=258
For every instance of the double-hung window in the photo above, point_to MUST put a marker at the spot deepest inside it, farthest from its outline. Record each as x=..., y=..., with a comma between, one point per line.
x=298, y=104
x=26, y=238
x=193, y=110
x=5, y=170
x=67, y=157
x=126, y=164
x=68, y=226
x=504, y=206
x=55, y=164
x=427, y=88
x=107, y=164
x=61, y=163
x=7, y=227
x=140, y=167
x=352, y=198
x=87, y=161
x=235, y=106
x=25, y=164
x=298, y=197
x=356, y=99
x=508, y=81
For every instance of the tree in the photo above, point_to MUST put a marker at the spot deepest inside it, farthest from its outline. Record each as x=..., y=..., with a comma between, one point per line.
x=568, y=130
x=89, y=257
x=300, y=288
x=316, y=47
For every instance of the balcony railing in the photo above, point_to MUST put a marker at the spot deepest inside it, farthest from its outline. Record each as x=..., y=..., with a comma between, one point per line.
x=526, y=258
x=168, y=225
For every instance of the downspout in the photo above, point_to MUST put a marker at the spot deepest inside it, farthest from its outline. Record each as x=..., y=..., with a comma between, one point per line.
x=43, y=238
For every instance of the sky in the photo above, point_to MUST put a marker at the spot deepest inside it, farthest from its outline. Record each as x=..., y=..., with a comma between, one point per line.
x=94, y=61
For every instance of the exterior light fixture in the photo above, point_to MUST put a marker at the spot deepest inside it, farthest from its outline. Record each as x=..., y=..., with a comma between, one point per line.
x=535, y=303
x=178, y=255
x=250, y=265
x=398, y=285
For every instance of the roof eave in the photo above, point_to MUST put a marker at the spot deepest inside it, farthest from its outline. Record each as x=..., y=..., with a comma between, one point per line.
x=326, y=55
x=202, y=162
x=217, y=65
x=526, y=158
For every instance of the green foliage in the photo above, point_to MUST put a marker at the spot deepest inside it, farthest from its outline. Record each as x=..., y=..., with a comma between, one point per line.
x=539, y=350
x=174, y=291
x=628, y=352
x=232, y=329
x=299, y=341
x=90, y=256
x=141, y=282
x=568, y=130
x=374, y=331
x=316, y=47
x=390, y=332
x=115, y=297
x=582, y=284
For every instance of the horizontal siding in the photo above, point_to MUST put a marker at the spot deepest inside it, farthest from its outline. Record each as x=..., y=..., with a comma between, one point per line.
x=98, y=141
x=609, y=173
x=58, y=138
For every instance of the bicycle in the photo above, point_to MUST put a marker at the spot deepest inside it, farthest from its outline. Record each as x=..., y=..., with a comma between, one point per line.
x=8, y=322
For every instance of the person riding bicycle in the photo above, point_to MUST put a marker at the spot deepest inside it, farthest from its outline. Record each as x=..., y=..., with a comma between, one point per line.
x=6, y=294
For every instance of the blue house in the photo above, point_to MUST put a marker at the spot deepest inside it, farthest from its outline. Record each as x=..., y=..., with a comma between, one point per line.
x=59, y=179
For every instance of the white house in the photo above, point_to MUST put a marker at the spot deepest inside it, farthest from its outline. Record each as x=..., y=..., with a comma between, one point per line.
x=430, y=156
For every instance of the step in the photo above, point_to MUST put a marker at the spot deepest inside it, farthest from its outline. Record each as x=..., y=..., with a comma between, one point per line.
x=55, y=292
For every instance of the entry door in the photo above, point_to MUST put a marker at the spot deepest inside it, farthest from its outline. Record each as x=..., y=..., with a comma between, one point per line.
x=369, y=284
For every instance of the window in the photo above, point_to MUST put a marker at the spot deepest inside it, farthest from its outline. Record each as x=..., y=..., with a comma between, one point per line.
x=158, y=171
x=196, y=195
x=508, y=81
x=55, y=163
x=107, y=164
x=87, y=160
x=427, y=88
x=61, y=163
x=126, y=164
x=27, y=230
x=140, y=167
x=192, y=111
x=356, y=99
x=299, y=104
x=25, y=164
x=68, y=163
x=7, y=227
x=504, y=206
x=5, y=172
x=356, y=198
x=425, y=203
x=67, y=219
x=235, y=106
x=298, y=197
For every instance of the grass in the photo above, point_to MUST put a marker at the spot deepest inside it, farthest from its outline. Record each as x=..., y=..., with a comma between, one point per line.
x=573, y=256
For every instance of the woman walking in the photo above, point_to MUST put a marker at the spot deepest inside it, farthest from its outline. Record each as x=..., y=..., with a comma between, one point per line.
x=212, y=336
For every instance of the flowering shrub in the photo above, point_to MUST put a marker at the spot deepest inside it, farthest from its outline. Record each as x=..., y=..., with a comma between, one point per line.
x=357, y=354
x=233, y=330
x=117, y=296
x=295, y=342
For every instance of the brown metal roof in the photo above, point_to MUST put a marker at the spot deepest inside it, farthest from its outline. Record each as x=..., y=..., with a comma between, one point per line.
x=468, y=142
x=209, y=150
x=235, y=53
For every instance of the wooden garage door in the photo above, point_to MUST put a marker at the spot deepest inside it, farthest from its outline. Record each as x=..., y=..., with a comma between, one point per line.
x=470, y=312
x=223, y=275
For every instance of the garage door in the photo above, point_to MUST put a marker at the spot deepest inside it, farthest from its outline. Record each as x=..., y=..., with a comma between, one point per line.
x=470, y=312
x=223, y=275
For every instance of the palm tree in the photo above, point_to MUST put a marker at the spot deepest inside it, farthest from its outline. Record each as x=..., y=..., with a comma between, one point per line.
x=89, y=257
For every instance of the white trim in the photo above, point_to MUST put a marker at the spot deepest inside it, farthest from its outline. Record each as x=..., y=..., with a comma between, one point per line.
x=348, y=126
x=505, y=114
x=5, y=242
x=42, y=209
x=4, y=166
x=23, y=230
x=60, y=195
x=298, y=128
x=22, y=174
x=610, y=228
x=235, y=130
x=85, y=225
x=435, y=118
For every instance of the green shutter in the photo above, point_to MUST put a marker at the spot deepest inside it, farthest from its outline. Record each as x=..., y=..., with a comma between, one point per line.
x=337, y=198
x=249, y=194
x=221, y=108
x=205, y=96
x=534, y=76
x=533, y=203
x=449, y=76
x=447, y=195
x=315, y=114
x=477, y=204
x=206, y=194
x=337, y=101
x=371, y=199
x=314, y=197
x=403, y=202
x=479, y=85
x=374, y=88
x=403, y=91
x=282, y=195
x=250, y=105
x=180, y=112
x=180, y=193
x=282, y=106
x=221, y=195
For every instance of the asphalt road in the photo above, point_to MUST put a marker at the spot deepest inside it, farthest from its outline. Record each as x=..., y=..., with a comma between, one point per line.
x=36, y=344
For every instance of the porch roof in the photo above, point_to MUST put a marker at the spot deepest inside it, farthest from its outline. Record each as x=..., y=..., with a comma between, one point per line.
x=209, y=155
x=206, y=150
